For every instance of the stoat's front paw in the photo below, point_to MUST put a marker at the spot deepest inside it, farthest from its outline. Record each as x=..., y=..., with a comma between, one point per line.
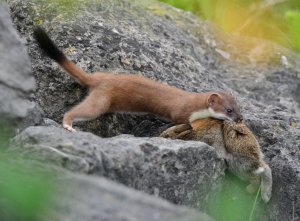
x=69, y=128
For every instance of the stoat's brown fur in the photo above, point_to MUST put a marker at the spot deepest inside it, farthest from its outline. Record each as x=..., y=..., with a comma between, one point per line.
x=131, y=93
x=236, y=144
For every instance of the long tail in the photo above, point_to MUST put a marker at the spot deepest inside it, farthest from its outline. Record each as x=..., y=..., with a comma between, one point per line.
x=266, y=183
x=53, y=52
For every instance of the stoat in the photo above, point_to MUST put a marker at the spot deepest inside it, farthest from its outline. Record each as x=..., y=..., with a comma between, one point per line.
x=109, y=92
x=236, y=144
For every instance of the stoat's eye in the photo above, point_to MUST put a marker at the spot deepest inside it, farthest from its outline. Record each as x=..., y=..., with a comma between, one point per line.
x=229, y=111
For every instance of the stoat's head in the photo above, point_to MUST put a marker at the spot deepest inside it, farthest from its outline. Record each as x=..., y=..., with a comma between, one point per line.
x=223, y=105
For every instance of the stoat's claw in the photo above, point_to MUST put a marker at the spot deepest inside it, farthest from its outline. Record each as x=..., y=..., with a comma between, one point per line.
x=69, y=128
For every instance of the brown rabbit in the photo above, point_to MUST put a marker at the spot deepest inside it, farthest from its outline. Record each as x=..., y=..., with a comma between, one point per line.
x=236, y=144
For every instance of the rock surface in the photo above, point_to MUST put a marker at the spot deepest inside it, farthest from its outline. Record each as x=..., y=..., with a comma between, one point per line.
x=113, y=202
x=174, y=47
x=16, y=78
x=85, y=198
x=178, y=171
x=63, y=196
x=146, y=44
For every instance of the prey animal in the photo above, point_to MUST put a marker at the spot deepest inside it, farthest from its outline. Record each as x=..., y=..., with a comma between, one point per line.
x=236, y=144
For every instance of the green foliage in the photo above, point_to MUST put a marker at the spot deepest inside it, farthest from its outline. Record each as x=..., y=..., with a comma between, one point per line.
x=58, y=10
x=24, y=191
x=6, y=131
x=275, y=20
x=293, y=20
x=254, y=204
x=23, y=196
x=65, y=4
x=188, y=5
x=234, y=203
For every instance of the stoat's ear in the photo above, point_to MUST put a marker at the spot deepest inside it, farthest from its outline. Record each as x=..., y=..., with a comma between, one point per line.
x=214, y=98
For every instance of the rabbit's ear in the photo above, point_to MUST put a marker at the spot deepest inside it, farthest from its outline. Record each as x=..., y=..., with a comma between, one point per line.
x=182, y=127
x=186, y=135
x=181, y=131
x=169, y=133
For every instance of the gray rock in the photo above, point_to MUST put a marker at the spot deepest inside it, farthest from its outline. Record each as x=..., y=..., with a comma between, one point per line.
x=89, y=198
x=186, y=173
x=174, y=47
x=16, y=78
x=157, y=49
x=64, y=196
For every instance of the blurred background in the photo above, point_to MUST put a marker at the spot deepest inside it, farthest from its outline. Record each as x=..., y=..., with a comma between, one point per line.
x=274, y=20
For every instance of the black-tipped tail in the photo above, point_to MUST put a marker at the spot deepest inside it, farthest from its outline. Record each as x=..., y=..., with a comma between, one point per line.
x=48, y=45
